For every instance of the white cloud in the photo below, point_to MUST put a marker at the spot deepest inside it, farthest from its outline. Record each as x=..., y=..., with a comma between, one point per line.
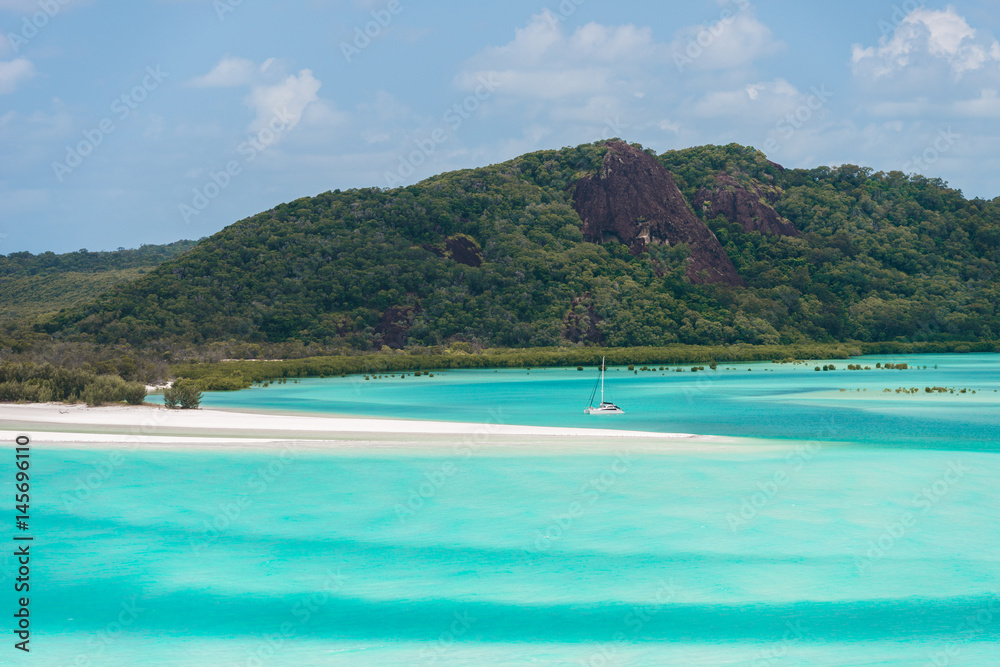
x=228, y=72
x=762, y=100
x=274, y=95
x=285, y=100
x=13, y=73
x=154, y=127
x=386, y=108
x=595, y=79
x=987, y=105
x=545, y=63
x=323, y=114
x=732, y=41
x=895, y=108
x=926, y=37
x=36, y=130
x=669, y=126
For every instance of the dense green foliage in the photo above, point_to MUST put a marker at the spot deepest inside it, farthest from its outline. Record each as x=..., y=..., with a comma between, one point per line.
x=882, y=257
x=240, y=374
x=40, y=383
x=85, y=261
x=46, y=283
x=234, y=375
x=183, y=394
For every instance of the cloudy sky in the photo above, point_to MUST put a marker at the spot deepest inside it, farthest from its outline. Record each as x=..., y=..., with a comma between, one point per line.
x=157, y=120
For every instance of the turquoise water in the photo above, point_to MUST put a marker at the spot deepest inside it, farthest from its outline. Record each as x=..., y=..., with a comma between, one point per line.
x=842, y=546
x=760, y=400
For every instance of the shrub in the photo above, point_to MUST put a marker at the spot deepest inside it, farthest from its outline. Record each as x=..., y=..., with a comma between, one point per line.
x=134, y=393
x=104, y=389
x=233, y=382
x=184, y=394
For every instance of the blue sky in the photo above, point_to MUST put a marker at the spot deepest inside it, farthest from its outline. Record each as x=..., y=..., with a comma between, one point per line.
x=148, y=122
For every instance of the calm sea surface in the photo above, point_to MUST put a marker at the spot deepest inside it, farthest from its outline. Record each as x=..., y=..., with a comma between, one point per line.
x=868, y=537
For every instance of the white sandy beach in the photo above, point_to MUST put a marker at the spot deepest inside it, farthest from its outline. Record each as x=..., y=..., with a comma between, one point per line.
x=145, y=427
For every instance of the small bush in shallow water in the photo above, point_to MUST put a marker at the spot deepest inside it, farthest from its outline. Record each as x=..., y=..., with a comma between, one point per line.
x=184, y=394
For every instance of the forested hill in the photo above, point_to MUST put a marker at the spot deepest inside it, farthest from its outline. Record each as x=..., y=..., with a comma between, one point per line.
x=46, y=283
x=603, y=243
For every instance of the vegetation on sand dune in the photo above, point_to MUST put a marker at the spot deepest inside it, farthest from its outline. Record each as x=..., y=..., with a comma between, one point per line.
x=42, y=383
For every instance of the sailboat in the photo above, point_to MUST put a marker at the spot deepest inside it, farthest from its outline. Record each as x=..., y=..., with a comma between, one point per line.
x=606, y=407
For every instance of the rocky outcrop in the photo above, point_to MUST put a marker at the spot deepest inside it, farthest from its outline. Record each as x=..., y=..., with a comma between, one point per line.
x=395, y=325
x=745, y=204
x=634, y=200
x=581, y=320
x=464, y=250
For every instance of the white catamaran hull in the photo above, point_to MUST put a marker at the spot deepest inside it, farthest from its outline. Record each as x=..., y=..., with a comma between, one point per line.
x=604, y=411
x=606, y=407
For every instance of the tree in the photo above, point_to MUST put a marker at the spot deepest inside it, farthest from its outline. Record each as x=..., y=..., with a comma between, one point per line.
x=183, y=394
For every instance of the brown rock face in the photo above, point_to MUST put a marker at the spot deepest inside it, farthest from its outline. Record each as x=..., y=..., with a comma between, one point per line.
x=464, y=251
x=395, y=325
x=635, y=200
x=580, y=322
x=748, y=206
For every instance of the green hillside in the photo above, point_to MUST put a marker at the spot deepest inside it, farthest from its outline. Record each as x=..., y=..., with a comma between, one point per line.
x=32, y=285
x=496, y=257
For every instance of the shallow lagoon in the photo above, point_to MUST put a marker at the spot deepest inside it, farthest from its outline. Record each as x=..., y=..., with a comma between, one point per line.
x=867, y=539
x=759, y=400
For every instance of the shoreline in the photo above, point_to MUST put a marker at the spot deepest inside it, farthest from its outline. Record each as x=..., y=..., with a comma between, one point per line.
x=243, y=373
x=146, y=427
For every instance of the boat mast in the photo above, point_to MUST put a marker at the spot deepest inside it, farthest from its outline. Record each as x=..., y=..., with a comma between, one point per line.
x=602, y=380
